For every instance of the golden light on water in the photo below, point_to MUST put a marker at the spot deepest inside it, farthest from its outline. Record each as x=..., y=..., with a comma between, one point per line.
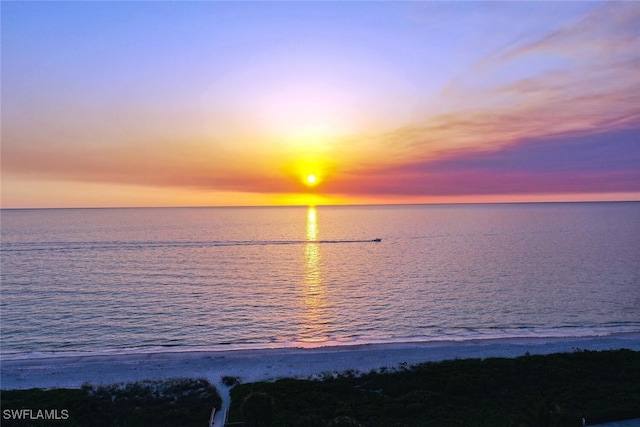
x=312, y=224
x=314, y=317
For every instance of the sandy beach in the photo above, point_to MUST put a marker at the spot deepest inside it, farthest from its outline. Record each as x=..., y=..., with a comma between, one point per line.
x=265, y=364
x=72, y=371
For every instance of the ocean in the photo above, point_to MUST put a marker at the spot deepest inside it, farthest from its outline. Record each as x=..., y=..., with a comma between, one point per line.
x=149, y=279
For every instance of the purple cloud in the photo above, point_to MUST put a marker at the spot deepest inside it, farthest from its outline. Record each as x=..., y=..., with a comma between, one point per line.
x=603, y=162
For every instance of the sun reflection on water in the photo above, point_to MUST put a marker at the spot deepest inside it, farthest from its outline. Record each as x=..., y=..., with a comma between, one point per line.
x=314, y=317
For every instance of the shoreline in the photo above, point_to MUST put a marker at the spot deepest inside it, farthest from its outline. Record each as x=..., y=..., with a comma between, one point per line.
x=593, y=333
x=250, y=365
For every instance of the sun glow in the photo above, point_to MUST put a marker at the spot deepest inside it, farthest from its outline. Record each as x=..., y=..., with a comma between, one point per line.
x=309, y=171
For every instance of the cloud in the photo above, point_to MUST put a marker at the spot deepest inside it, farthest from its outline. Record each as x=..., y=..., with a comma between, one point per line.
x=604, y=162
x=194, y=165
x=581, y=76
x=578, y=80
x=605, y=33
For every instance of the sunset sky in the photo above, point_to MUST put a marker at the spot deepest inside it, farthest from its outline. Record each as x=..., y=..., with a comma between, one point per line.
x=238, y=103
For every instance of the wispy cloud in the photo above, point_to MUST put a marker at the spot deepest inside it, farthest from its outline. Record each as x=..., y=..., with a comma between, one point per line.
x=605, y=33
x=509, y=129
x=605, y=162
x=155, y=163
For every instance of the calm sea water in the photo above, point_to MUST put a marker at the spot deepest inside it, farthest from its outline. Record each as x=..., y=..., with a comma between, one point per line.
x=139, y=279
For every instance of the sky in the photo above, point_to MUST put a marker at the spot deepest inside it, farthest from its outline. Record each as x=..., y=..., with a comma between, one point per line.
x=109, y=104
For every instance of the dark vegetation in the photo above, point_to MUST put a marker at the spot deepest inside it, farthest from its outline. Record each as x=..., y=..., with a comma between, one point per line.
x=553, y=390
x=257, y=410
x=176, y=402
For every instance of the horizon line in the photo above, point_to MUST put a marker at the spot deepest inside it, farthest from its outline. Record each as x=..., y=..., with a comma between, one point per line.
x=323, y=205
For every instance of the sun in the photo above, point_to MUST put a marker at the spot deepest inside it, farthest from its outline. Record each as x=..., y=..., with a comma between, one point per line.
x=309, y=173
